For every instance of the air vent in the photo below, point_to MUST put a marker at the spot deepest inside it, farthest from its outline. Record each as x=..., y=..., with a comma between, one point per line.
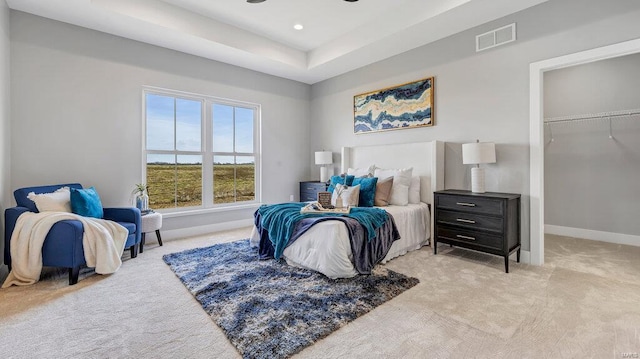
x=496, y=37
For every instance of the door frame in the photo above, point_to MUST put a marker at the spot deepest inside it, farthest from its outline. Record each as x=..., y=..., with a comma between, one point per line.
x=536, y=130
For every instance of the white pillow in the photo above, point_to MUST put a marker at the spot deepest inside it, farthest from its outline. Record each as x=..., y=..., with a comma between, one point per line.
x=350, y=195
x=414, y=190
x=401, y=183
x=58, y=201
x=361, y=172
x=399, y=195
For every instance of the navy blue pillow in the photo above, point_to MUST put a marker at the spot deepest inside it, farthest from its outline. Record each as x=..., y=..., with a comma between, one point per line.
x=335, y=180
x=367, y=190
x=86, y=202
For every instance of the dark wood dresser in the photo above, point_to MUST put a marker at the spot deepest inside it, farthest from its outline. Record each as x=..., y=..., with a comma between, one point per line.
x=486, y=222
x=309, y=190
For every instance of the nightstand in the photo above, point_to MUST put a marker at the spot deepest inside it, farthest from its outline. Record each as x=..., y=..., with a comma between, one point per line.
x=309, y=190
x=486, y=222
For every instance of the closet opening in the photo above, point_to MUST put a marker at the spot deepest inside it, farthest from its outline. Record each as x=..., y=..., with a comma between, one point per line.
x=537, y=129
x=592, y=164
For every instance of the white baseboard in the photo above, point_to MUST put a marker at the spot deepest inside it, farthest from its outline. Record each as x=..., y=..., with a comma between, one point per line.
x=618, y=238
x=200, y=230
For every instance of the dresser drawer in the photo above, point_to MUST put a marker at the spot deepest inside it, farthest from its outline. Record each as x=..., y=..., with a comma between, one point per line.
x=312, y=187
x=471, y=220
x=309, y=190
x=308, y=196
x=472, y=204
x=457, y=235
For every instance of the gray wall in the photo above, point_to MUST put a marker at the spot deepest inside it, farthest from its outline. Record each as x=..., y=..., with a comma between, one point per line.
x=5, y=135
x=75, y=96
x=76, y=111
x=591, y=181
x=477, y=95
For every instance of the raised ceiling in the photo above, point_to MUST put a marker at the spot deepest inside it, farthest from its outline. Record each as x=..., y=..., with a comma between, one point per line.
x=338, y=36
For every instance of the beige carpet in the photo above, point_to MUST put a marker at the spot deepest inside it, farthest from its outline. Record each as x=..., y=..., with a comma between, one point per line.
x=585, y=302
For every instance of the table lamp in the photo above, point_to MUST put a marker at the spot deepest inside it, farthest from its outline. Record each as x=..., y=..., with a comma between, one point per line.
x=324, y=158
x=475, y=154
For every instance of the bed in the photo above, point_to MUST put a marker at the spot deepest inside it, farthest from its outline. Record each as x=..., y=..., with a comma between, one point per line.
x=325, y=247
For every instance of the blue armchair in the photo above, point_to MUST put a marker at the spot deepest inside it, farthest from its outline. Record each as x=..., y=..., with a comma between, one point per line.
x=63, y=245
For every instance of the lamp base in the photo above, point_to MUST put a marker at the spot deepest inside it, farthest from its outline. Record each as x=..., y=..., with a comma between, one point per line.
x=324, y=174
x=477, y=180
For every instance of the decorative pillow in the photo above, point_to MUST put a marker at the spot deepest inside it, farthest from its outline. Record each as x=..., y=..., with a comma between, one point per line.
x=414, y=190
x=362, y=172
x=399, y=195
x=86, y=202
x=349, y=195
x=342, y=179
x=383, y=192
x=401, y=182
x=367, y=190
x=58, y=201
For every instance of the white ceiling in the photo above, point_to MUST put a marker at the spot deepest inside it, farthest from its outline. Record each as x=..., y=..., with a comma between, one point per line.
x=338, y=36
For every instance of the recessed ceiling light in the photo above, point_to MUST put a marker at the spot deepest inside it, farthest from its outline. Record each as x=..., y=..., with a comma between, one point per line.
x=298, y=26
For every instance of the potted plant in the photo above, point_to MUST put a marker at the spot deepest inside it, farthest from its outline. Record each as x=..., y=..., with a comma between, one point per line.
x=141, y=196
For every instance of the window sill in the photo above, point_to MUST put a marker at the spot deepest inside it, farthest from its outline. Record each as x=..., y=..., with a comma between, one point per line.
x=199, y=211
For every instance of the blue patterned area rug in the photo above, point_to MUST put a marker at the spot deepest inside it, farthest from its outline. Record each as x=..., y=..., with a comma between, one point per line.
x=269, y=309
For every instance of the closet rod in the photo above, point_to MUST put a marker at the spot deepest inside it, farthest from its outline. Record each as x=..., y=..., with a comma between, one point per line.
x=603, y=115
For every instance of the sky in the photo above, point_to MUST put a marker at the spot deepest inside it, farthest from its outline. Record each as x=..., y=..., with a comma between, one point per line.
x=160, y=129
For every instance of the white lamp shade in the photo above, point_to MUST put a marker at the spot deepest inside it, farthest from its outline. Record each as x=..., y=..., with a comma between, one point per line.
x=478, y=152
x=324, y=157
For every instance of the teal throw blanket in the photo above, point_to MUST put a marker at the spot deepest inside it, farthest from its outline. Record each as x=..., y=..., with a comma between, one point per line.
x=279, y=220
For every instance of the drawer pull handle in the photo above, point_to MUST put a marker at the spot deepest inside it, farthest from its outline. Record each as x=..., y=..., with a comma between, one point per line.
x=466, y=204
x=465, y=220
x=465, y=237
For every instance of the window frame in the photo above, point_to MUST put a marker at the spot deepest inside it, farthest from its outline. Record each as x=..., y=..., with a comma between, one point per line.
x=206, y=148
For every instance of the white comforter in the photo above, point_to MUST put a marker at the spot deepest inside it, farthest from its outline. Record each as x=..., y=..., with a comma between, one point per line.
x=103, y=243
x=325, y=247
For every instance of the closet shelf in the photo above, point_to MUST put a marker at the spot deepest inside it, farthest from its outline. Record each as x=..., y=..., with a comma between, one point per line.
x=592, y=116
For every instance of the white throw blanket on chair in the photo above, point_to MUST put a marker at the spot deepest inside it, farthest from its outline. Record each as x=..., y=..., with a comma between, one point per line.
x=103, y=243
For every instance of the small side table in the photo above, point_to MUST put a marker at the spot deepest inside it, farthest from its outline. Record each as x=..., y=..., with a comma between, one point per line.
x=151, y=222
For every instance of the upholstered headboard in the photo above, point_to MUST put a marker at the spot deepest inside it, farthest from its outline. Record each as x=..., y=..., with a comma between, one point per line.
x=426, y=158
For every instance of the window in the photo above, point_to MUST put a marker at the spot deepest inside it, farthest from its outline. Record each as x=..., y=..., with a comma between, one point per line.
x=200, y=152
x=233, y=157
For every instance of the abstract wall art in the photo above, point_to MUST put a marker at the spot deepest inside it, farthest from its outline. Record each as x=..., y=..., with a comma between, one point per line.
x=404, y=106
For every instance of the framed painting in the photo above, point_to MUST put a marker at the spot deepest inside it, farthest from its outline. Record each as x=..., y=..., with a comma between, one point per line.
x=405, y=106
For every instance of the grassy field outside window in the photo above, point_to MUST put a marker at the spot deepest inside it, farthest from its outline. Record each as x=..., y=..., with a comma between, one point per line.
x=200, y=152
